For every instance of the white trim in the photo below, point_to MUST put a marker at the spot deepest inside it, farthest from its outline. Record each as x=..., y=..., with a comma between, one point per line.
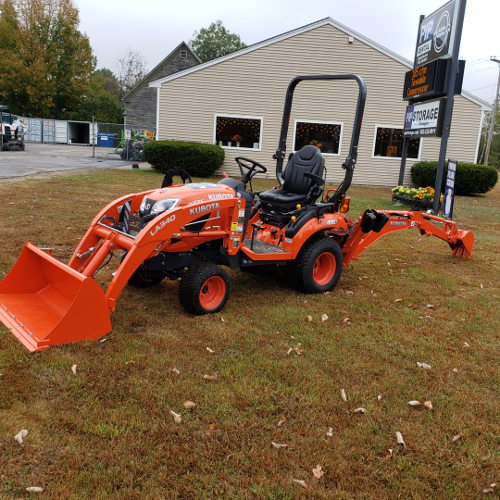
x=158, y=90
x=479, y=135
x=322, y=122
x=318, y=24
x=377, y=126
x=227, y=115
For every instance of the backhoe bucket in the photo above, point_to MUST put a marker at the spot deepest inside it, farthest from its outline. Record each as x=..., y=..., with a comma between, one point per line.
x=44, y=302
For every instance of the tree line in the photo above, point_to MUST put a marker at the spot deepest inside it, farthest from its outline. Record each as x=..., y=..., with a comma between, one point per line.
x=48, y=68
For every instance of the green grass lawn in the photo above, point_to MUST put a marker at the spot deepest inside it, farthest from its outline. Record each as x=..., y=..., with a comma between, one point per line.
x=107, y=431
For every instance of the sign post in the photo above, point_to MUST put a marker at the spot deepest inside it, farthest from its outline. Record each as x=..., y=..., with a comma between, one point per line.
x=452, y=76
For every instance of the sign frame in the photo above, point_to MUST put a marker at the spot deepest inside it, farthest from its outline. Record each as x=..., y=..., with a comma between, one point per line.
x=430, y=116
x=436, y=34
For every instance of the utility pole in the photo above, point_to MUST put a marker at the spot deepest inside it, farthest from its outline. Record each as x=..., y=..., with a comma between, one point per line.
x=494, y=115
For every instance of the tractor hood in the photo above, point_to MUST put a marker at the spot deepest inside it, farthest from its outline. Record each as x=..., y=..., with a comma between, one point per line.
x=182, y=195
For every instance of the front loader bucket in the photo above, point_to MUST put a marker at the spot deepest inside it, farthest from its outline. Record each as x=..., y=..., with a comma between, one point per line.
x=44, y=302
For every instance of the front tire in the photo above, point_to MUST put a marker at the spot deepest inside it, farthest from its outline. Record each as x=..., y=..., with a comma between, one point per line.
x=318, y=266
x=204, y=289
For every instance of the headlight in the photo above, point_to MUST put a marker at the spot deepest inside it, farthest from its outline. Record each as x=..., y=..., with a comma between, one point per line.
x=164, y=205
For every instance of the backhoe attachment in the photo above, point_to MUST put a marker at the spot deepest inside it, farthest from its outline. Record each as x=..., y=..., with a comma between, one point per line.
x=373, y=224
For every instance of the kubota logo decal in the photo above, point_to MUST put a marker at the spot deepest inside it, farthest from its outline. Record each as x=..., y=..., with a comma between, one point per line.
x=398, y=223
x=219, y=196
x=203, y=208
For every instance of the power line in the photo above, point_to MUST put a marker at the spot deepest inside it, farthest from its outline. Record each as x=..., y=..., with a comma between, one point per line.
x=481, y=88
x=479, y=70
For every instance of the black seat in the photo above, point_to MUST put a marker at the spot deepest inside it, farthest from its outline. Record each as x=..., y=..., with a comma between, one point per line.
x=297, y=188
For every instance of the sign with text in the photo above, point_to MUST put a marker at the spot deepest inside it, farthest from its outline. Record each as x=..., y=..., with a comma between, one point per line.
x=428, y=81
x=449, y=190
x=425, y=119
x=435, y=35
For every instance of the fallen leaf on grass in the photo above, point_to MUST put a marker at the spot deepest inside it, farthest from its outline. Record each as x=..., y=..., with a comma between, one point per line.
x=425, y=366
x=210, y=350
x=34, y=489
x=457, y=437
x=73, y=369
x=318, y=471
x=222, y=319
x=360, y=410
x=279, y=445
x=343, y=395
x=389, y=454
x=329, y=432
x=490, y=488
x=431, y=306
x=349, y=292
x=299, y=351
x=102, y=341
x=210, y=430
x=428, y=404
x=414, y=403
x=399, y=439
x=379, y=397
x=210, y=377
x=466, y=344
x=175, y=371
x=309, y=318
x=189, y=404
x=324, y=317
x=282, y=421
x=455, y=370
x=301, y=482
x=289, y=351
x=20, y=436
x=177, y=417
x=131, y=362
x=347, y=321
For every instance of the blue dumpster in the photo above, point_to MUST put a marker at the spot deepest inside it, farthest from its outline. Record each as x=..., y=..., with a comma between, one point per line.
x=105, y=140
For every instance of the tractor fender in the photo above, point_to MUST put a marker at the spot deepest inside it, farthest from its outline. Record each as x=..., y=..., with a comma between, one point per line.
x=332, y=225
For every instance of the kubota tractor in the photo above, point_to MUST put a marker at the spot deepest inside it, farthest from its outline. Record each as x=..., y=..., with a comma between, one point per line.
x=189, y=231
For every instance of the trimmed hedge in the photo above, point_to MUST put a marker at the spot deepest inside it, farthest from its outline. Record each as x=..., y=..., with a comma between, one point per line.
x=470, y=179
x=199, y=159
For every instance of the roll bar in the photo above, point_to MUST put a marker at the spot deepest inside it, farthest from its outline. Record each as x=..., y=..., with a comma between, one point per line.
x=350, y=161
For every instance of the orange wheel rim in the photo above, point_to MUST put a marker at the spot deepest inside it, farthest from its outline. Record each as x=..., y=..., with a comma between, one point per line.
x=212, y=292
x=324, y=268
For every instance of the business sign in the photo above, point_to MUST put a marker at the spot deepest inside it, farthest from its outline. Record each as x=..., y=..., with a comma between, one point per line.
x=429, y=81
x=425, y=119
x=435, y=34
x=449, y=190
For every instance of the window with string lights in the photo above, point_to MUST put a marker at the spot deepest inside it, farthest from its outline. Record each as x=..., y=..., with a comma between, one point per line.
x=325, y=136
x=238, y=132
x=388, y=143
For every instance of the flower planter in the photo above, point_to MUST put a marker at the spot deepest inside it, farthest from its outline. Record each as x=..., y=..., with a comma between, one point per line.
x=413, y=202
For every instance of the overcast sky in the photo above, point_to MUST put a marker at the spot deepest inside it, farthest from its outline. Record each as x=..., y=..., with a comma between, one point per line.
x=156, y=27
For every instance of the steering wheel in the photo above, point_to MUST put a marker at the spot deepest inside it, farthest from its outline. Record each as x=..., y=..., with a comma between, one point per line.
x=252, y=166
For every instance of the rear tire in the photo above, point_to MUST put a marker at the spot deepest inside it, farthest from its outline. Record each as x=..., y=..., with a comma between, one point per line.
x=318, y=266
x=204, y=289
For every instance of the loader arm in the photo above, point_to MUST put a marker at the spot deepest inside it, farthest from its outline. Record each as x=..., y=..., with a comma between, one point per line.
x=373, y=224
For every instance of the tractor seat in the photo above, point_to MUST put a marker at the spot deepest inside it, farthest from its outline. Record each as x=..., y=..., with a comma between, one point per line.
x=297, y=189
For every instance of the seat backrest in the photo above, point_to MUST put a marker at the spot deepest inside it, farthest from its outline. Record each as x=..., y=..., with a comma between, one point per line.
x=308, y=159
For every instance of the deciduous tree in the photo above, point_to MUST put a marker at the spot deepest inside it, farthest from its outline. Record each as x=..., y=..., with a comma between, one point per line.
x=215, y=41
x=45, y=61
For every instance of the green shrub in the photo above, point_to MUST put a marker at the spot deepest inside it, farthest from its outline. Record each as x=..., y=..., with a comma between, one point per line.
x=200, y=160
x=470, y=179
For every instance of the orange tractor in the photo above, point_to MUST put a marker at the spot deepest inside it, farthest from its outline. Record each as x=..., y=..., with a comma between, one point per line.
x=189, y=231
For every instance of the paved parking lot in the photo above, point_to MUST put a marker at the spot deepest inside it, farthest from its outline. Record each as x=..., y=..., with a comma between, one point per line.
x=45, y=158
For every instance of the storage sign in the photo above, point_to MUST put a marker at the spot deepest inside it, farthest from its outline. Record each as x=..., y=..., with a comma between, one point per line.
x=425, y=119
x=435, y=35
